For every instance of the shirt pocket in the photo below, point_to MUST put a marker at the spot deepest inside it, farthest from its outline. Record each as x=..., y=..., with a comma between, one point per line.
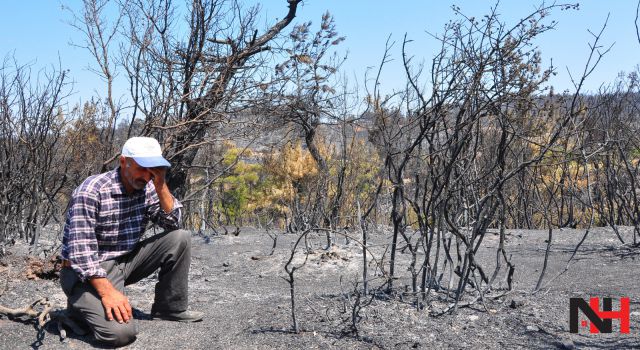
x=107, y=229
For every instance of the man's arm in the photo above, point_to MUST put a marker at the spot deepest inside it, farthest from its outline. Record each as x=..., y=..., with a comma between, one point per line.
x=164, y=195
x=164, y=209
x=79, y=243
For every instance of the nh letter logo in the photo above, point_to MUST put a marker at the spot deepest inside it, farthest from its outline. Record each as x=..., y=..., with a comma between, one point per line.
x=600, y=321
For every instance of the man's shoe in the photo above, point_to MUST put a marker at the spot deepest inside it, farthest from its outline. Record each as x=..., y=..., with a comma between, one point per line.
x=183, y=316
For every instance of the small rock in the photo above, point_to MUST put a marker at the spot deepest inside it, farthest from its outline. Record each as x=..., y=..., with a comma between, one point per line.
x=535, y=313
x=567, y=344
x=516, y=303
x=533, y=329
x=473, y=317
x=435, y=311
x=226, y=264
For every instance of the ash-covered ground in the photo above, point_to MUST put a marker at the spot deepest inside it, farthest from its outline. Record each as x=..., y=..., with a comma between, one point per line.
x=243, y=291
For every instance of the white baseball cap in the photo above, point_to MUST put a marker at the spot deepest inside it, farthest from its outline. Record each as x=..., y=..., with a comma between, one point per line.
x=145, y=151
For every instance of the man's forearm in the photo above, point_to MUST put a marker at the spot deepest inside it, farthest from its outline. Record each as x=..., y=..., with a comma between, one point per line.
x=102, y=285
x=165, y=197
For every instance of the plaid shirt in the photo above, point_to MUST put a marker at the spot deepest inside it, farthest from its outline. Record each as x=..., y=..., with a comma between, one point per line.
x=104, y=222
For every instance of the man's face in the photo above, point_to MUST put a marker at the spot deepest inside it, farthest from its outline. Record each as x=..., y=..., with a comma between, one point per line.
x=134, y=176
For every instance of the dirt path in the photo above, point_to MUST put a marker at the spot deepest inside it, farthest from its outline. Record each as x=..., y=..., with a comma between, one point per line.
x=240, y=287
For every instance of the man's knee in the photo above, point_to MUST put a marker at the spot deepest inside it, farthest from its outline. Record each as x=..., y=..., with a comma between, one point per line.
x=117, y=334
x=180, y=238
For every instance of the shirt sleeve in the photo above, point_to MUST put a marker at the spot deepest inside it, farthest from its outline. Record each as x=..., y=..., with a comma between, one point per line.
x=168, y=221
x=80, y=245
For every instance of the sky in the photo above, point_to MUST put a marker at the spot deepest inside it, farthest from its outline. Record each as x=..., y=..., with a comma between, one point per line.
x=37, y=32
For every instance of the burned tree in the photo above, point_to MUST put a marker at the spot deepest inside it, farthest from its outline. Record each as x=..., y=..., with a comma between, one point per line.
x=451, y=152
x=306, y=97
x=187, y=86
x=32, y=150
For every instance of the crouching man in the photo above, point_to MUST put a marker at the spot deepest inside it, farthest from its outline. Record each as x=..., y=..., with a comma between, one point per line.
x=102, y=251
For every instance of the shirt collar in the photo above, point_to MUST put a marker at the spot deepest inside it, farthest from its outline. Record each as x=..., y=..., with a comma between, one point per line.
x=117, y=187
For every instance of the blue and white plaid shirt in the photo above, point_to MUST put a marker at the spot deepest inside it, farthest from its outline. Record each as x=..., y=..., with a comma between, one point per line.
x=104, y=222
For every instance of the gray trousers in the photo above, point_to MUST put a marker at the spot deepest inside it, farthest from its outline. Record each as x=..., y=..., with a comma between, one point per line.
x=169, y=251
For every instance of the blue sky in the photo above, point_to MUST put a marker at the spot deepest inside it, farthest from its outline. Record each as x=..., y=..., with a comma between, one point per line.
x=37, y=32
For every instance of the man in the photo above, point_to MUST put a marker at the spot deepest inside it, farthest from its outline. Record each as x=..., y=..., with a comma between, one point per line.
x=102, y=253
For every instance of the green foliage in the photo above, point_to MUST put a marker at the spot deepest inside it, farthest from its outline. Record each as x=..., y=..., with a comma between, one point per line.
x=238, y=188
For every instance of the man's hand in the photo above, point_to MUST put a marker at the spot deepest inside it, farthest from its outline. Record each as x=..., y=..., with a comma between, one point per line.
x=158, y=175
x=116, y=305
